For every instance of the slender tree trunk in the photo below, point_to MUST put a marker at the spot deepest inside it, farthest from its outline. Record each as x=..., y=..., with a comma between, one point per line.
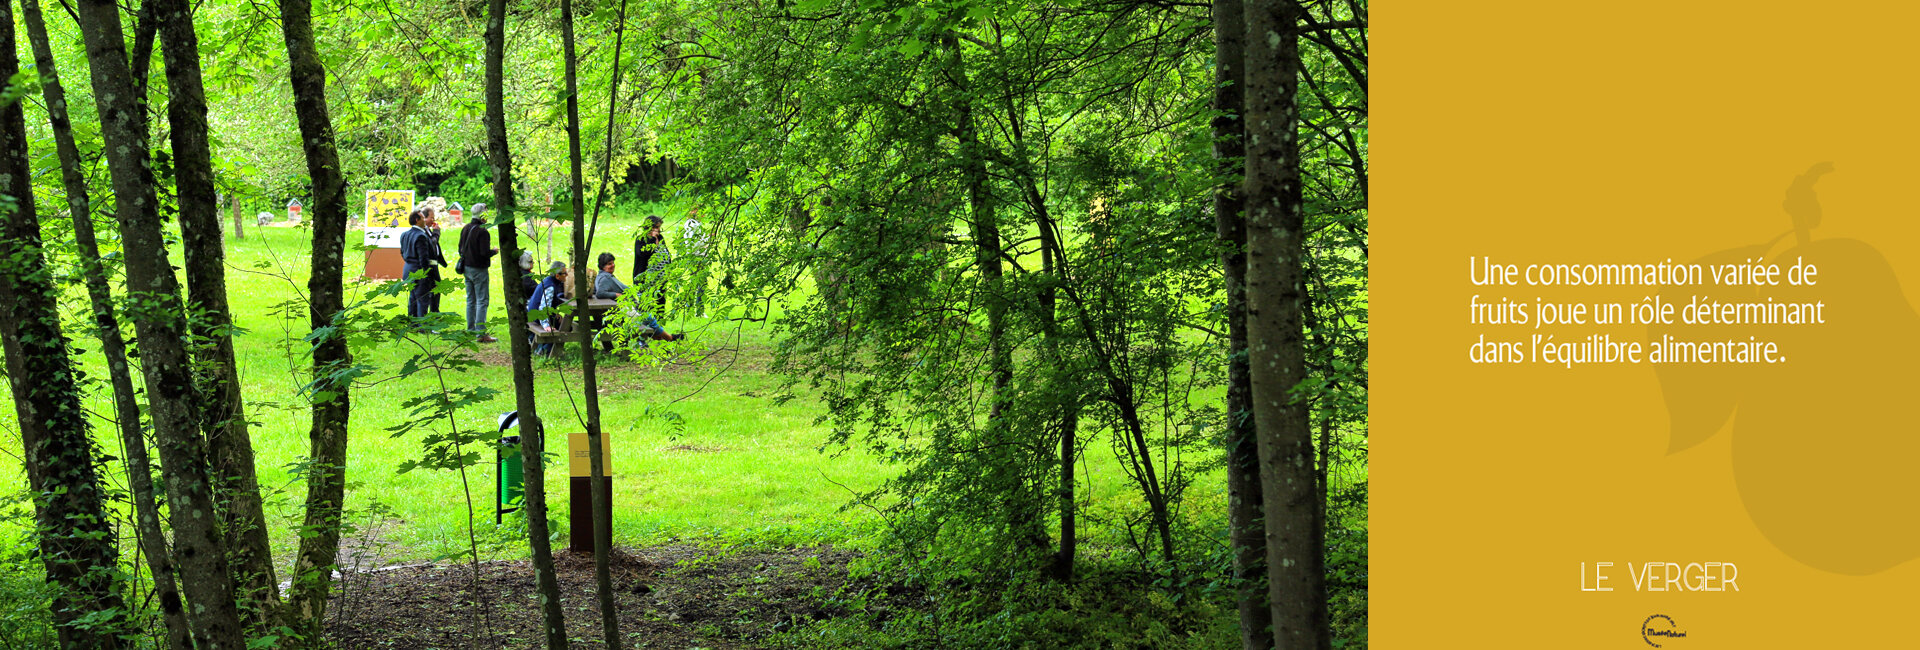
x=1120, y=388
x=583, y=290
x=1022, y=509
x=76, y=537
x=1276, y=295
x=1247, y=533
x=532, y=435
x=1325, y=437
x=985, y=226
x=152, y=540
x=1053, y=345
x=1121, y=394
x=239, y=228
x=1063, y=561
x=1058, y=356
x=613, y=105
x=160, y=322
x=331, y=390
x=223, y=417
x=141, y=58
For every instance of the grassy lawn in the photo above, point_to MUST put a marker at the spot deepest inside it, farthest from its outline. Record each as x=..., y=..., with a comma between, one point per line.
x=736, y=462
x=728, y=461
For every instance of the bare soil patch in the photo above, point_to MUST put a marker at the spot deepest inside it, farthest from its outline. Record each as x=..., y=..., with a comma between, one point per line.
x=676, y=596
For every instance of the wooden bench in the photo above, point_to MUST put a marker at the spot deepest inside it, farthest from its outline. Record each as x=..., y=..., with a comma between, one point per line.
x=560, y=338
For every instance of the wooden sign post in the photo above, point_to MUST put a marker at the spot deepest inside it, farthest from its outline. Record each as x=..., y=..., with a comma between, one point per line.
x=579, y=498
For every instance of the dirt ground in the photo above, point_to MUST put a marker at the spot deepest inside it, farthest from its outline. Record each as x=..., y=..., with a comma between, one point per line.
x=668, y=597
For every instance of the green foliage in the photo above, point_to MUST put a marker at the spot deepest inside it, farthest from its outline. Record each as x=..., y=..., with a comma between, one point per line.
x=822, y=142
x=1109, y=607
x=1346, y=565
x=25, y=620
x=1058, y=142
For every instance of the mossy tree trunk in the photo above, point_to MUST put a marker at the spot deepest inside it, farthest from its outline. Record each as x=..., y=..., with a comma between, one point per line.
x=331, y=385
x=76, y=538
x=153, y=296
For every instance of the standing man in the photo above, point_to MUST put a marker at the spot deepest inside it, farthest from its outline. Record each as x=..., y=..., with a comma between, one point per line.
x=650, y=257
x=476, y=257
x=411, y=262
x=431, y=219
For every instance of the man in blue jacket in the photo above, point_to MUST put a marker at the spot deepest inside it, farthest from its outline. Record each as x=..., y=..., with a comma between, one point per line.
x=551, y=293
x=420, y=250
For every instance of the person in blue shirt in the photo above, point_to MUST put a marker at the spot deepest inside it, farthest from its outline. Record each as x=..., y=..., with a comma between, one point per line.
x=551, y=293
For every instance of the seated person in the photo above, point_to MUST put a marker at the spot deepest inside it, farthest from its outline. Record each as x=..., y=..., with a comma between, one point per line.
x=606, y=286
x=527, y=282
x=651, y=329
x=549, y=294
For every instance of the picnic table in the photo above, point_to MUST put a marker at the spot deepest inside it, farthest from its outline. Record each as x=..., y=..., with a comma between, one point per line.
x=598, y=306
x=596, y=310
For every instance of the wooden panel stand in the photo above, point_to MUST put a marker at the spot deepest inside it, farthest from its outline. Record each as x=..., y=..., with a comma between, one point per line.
x=384, y=264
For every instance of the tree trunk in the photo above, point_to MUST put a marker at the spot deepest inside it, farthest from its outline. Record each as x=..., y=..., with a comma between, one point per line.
x=1120, y=393
x=1120, y=389
x=152, y=540
x=1276, y=346
x=76, y=537
x=985, y=227
x=1247, y=534
x=583, y=290
x=1069, y=538
x=1057, y=355
x=1024, y=519
x=331, y=389
x=223, y=417
x=532, y=435
x=160, y=323
x=239, y=230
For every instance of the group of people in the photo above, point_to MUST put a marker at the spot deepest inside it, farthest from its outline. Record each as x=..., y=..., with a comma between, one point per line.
x=420, y=251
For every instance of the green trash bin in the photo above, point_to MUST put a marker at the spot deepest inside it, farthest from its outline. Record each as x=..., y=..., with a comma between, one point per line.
x=509, y=482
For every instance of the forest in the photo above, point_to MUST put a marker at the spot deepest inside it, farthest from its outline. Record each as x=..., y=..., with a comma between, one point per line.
x=967, y=323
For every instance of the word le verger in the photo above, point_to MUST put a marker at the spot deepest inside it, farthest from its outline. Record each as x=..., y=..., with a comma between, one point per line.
x=1665, y=576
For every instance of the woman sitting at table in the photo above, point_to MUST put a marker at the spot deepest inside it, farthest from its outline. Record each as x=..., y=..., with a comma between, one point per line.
x=608, y=287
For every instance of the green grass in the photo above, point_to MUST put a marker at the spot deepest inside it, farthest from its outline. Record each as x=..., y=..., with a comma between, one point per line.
x=739, y=462
x=739, y=465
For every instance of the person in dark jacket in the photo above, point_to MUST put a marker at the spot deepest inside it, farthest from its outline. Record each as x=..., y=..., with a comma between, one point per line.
x=528, y=281
x=420, y=251
x=650, y=257
x=409, y=260
x=432, y=220
x=476, y=256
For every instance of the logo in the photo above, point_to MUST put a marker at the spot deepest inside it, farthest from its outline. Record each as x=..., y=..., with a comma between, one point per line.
x=1662, y=627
